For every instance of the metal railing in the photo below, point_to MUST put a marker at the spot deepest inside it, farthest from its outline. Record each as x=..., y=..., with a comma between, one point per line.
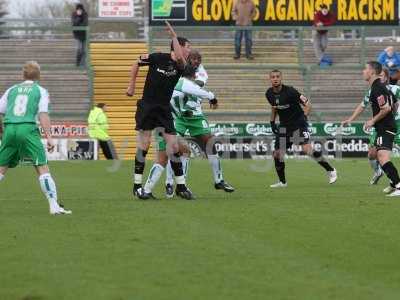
x=361, y=36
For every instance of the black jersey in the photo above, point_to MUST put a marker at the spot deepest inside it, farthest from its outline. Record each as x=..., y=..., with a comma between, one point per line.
x=379, y=97
x=288, y=103
x=161, y=79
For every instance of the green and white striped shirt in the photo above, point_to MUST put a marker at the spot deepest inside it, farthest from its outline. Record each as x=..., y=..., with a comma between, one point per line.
x=188, y=96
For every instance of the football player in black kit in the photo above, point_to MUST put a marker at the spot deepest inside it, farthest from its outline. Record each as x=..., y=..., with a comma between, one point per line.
x=382, y=104
x=292, y=109
x=154, y=111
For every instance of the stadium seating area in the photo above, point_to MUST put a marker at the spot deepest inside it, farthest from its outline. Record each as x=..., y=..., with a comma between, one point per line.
x=68, y=86
x=239, y=85
x=111, y=64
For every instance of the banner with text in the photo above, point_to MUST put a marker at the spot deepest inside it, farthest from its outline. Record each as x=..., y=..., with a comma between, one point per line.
x=116, y=9
x=59, y=130
x=253, y=140
x=273, y=12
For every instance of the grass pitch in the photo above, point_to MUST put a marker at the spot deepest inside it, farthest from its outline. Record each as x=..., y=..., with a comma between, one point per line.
x=309, y=241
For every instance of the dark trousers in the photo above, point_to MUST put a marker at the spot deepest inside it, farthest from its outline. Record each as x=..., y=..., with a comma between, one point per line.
x=108, y=149
x=80, y=52
x=248, y=39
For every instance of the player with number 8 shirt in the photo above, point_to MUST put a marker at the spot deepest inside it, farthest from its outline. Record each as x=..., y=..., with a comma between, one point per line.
x=22, y=105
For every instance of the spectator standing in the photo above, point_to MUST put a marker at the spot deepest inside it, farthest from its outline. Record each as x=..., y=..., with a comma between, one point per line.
x=80, y=18
x=98, y=129
x=243, y=12
x=391, y=60
x=322, y=18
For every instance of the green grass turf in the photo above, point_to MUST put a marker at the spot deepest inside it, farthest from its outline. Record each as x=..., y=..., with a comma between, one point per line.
x=310, y=241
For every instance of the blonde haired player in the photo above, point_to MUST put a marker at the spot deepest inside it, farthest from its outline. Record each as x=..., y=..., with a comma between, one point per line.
x=20, y=107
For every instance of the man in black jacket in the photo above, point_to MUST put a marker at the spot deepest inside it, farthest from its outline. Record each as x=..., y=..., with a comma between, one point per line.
x=80, y=18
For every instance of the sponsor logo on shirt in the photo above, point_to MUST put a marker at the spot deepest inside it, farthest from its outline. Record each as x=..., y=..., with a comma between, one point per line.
x=282, y=107
x=171, y=73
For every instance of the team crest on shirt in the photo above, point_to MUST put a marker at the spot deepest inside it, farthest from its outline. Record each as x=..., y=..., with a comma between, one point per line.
x=381, y=100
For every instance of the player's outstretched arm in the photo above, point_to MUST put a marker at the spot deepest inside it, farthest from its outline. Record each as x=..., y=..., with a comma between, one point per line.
x=307, y=108
x=130, y=91
x=44, y=120
x=190, y=88
x=357, y=112
x=175, y=44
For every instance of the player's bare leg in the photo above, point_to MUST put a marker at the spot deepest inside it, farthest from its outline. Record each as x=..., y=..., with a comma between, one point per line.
x=318, y=157
x=373, y=161
x=279, y=160
x=390, y=171
x=143, y=145
x=174, y=156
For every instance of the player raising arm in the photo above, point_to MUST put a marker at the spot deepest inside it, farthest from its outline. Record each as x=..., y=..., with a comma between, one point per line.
x=20, y=106
x=153, y=110
x=186, y=106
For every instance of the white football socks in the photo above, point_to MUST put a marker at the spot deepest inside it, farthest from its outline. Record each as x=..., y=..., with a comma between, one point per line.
x=154, y=176
x=49, y=189
x=185, y=165
x=374, y=165
x=169, y=179
x=216, y=168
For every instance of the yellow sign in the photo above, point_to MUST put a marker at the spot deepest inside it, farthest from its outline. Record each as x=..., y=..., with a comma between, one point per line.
x=290, y=12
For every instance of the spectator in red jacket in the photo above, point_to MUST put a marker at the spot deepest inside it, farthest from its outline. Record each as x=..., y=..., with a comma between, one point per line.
x=322, y=18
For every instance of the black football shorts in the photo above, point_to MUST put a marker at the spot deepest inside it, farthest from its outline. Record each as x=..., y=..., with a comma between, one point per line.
x=287, y=137
x=150, y=116
x=384, y=140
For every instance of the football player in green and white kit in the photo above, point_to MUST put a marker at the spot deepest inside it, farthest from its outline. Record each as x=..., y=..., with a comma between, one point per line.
x=186, y=107
x=372, y=154
x=198, y=128
x=20, y=106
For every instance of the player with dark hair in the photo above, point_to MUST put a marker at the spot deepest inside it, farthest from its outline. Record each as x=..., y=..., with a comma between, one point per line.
x=154, y=111
x=372, y=153
x=383, y=121
x=186, y=104
x=292, y=108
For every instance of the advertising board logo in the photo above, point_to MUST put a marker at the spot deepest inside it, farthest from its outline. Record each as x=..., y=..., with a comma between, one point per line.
x=225, y=129
x=258, y=129
x=173, y=10
x=369, y=130
x=335, y=129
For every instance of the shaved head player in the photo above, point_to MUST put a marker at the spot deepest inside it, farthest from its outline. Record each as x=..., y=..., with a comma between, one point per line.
x=292, y=109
